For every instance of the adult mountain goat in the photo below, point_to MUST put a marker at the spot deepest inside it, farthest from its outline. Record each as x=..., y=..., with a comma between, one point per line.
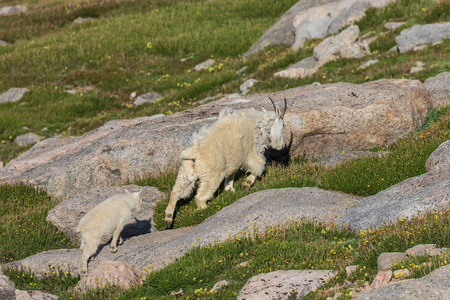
x=236, y=141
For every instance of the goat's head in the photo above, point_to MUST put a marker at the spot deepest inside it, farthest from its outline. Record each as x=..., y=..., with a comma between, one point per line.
x=276, y=129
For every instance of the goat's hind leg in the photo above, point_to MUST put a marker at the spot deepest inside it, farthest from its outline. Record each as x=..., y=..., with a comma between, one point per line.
x=183, y=187
x=206, y=189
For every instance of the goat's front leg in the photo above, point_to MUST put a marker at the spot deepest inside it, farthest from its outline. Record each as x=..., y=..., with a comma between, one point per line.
x=228, y=183
x=183, y=187
x=256, y=165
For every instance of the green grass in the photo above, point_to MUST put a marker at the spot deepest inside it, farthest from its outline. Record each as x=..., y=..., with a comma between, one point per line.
x=24, y=231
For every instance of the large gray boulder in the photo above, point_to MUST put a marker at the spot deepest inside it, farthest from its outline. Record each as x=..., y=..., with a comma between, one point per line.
x=255, y=211
x=68, y=212
x=435, y=285
x=440, y=87
x=291, y=284
x=407, y=199
x=422, y=34
x=283, y=32
x=324, y=120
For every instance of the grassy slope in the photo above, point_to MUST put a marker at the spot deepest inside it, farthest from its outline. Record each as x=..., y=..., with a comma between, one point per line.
x=130, y=39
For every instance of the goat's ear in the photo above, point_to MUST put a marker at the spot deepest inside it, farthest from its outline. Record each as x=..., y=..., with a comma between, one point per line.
x=127, y=191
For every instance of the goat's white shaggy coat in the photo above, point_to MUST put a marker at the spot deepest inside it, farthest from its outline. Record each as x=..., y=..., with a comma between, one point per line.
x=236, y=141
x=106, y=219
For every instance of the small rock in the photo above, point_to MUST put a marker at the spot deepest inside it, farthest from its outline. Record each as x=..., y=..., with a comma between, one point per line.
x=13, y=10
x=247, y=85
x=382, y=278
x=402, y=273
x=82, y=20
x=204, y=65
x=28, y=138
x=241, y=70
x=34, y=295
x=219, y=285
x=419, y=63
x=393, y=25
x=423, y=249
x=1, y=165
x=416, y=69
x=418, y=35
x=186, y=59
x=3, y=43
x=25, y=128
x=387, y=259
x=301, y=69
x=290, y=284
x=13, y=95
x=242, y=264
x=350, y=269
x=368, y=63
x=149, y=97
x=110, y=273
x=133, y=95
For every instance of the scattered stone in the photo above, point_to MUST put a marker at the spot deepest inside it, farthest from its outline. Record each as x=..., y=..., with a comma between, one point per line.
x=424, y=249
x=204, y=65
x=241, y=70
x=28, y=139
x=219, y=285
x=186, y=58
x=133, y=95
x=242, y=264
x=350, y=269
x=435, y=285
x=80, y=20
x=3, y=43
x=342, y=45
x=381, y=279
x=438, y=85
x=290, y=284
x=149, y=97
x=282, y=32
x=422, y=34
x=13, y=10
x=402, y=273
x=13, y=95
x=34, y=295
x=178, y=294
x=247, y=85
x=81, y=89
x=393, y=25
x=108, y=273
x=416, y=69
x=305, y=67
x=68, y=212
x=368, y=63
x=386, y=259
x=1, y=165
x=7, y=287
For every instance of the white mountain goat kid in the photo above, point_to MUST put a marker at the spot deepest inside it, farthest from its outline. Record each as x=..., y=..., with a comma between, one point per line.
x=106, y=219
x=235, y=141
